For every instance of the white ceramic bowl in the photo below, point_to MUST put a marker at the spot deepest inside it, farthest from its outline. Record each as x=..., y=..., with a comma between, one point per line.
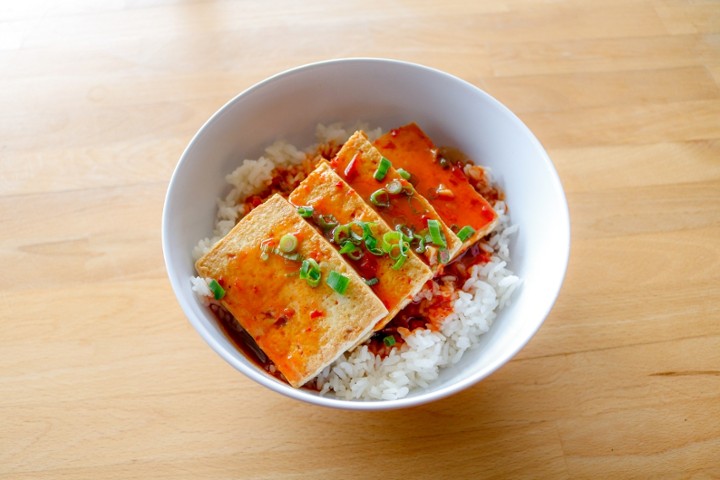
x=383, y=93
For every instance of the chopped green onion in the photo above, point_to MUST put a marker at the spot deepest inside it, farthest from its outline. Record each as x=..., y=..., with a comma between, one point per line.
x=338, y=282
x=394, y=187
x=408, y=189
x=465, y=233
x=371, y=282
x=310, y=272
x=404, y=173
x=369, y=238
x=380, y=198
x=288, y=243
x=347, y=247
x=389, y=341
x=327, y=222
x=399, y=262
x=355, y=237
x=217, y=291
x=293, y=256
x=264, y=256
x=356, y=254
x=382, y=169
x=421, y=243
x=341, y=234
x=406, y=231
x=305, y=212
x=435, y=233
x=390, y=240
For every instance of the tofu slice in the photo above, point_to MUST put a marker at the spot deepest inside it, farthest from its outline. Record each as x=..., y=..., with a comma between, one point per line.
x=356, y=163
x=445, y=186
x=300, y=328
x=327, y=193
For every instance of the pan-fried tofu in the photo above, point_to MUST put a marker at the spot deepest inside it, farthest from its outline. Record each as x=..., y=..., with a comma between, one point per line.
x=441, y=181
x=301, y=328
x=357, y=163
x=328, y=194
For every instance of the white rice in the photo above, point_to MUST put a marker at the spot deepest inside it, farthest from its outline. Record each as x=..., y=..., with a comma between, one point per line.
x=417, y=362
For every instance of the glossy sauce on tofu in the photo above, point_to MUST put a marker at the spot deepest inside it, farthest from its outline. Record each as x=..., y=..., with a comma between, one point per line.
x=329, y=195
x=439, y=178
x=357, y=163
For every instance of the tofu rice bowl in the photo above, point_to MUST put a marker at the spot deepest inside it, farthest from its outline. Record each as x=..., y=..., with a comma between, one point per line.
x=359, y=266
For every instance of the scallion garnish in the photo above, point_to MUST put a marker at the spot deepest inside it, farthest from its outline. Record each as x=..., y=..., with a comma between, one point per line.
x=338, y=282
x=288, y=243
x=399, y=262
x=390, y=240
x=394, y=187
x=351, y=250
x=389, y=341
x=217, y=290
x=371, y=282
x=326, y=222
x=466, y=232
x=341, y=234
x=370, y=240
x=347, y=247
x=436, y=233
x=406, y=231
x=292, y=256
x=404, y=173
x=421, y=243
x=380, y=198
x=310, y=272
x=382, y=169
x=305, y=212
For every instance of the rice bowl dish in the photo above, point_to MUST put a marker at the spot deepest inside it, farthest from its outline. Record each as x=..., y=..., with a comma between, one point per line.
x=416, y=359
x=385, y=93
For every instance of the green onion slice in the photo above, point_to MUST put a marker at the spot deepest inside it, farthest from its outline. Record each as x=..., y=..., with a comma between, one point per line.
x=353, y=252
x=288, y=243
x=380, y=198
x=382, y=169
x=394, y=187
x=305, y=212
x=436, y=234
x=217, y=290
x=369, y=238
x=338, y=282
x=326, y=222
x=310, y=272
x=347, y=247
x=293, y=256
x=390, y=240
x=466, y=232
x=406, y=231
x=371, y=282
x=341, y=234
x=404, y=173
x=420, y=243
x=389, y=341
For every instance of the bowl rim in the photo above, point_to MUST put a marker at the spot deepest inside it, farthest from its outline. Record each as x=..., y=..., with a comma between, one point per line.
x=367, y=405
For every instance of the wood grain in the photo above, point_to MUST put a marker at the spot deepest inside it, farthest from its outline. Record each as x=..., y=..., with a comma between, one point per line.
x=101, y=376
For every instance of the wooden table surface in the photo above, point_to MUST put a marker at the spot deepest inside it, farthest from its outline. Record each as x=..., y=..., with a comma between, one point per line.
x=101, y=375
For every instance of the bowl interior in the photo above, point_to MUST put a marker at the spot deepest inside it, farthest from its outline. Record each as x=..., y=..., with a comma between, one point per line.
x=387, y=94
